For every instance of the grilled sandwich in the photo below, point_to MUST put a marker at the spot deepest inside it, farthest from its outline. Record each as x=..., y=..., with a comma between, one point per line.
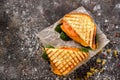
x=81, y=28
x=64, y=60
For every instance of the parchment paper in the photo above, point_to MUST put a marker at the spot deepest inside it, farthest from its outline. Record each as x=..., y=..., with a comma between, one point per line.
x=50, y=36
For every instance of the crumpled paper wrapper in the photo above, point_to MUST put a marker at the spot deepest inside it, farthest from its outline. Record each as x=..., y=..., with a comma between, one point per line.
x=51, y=37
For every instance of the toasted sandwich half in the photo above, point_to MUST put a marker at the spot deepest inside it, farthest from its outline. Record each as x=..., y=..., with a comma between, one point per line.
x=81, y=28
x=65, y=60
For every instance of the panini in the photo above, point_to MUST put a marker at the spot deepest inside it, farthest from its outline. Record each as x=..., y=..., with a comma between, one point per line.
x=65, y=60
x=81, y=28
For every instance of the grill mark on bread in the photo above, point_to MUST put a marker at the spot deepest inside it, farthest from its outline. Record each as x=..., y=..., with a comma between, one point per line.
x=61, y=69
x=57, y=54
x=84, y=55
x=73, y=60
x=77, y=56
x=70, y=65
x=46, y=49
x=94, y=36
x=51, y=54
x=60, y=60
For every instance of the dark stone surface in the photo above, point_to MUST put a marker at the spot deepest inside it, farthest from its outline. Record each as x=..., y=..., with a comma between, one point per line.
x=20, y=20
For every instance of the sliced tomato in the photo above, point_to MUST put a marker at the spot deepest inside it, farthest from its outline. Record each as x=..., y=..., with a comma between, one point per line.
x=72, y=34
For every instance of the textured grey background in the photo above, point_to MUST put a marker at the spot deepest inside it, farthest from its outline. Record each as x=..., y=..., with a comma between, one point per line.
x=20, y=20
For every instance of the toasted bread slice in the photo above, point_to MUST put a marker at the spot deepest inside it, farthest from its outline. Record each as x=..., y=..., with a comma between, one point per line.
x=81, y=27
x=65, y=60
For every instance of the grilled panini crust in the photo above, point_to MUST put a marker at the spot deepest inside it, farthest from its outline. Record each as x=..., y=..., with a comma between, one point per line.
x=83, y=25
x=64, y=61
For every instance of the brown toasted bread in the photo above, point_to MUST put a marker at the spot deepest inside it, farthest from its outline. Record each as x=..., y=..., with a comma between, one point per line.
x=81, y=28
x=65, y=60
